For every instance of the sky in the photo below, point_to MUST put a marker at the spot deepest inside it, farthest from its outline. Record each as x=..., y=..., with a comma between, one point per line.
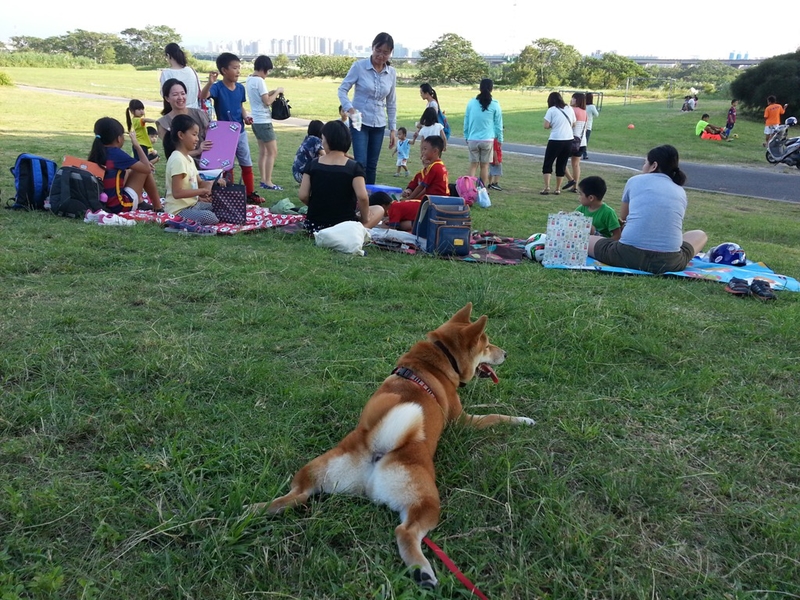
x=494, y=27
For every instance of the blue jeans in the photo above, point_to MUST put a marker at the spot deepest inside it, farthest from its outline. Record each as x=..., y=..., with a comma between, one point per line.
x=367, y=145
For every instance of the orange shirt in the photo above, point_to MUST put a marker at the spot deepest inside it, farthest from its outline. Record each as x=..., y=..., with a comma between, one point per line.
x=772, y=114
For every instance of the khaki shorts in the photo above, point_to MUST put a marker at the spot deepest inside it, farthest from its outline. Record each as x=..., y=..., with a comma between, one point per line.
x=618, y=254
x=264, y=132
x=481, y=152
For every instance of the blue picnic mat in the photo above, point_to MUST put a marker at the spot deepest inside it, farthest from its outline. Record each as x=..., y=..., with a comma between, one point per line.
x=699, y=268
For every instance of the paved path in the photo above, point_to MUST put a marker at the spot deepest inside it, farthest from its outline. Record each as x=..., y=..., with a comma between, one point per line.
x=780, y=183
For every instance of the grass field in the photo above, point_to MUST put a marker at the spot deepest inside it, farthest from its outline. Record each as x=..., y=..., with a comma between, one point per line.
x=152, y=385
x=522, y=112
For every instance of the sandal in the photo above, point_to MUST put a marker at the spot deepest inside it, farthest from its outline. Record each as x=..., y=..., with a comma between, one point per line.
x=545, y=192
x=556, y=192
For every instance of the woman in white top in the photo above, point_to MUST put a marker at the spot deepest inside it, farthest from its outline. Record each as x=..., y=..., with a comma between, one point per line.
x=591, y=113
x=559, y=119
x=179, y=70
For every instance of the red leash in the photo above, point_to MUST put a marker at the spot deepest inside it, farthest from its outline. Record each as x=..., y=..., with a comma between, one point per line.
x=454, y=569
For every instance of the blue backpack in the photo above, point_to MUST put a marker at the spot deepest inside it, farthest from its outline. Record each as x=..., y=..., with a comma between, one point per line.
x=445, y=124
x=33, y=176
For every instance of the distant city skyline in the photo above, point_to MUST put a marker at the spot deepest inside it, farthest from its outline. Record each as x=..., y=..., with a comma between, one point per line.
x=503, y=27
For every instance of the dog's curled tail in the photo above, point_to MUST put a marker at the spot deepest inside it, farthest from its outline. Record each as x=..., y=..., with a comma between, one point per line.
x=401, y=425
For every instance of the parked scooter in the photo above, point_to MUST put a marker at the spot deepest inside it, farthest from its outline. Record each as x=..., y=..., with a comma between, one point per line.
x=783, y=149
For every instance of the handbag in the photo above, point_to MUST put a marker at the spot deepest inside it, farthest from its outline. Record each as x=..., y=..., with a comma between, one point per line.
x=575, y=148
x=567, y=242
x=229, y=203
x=281, y=110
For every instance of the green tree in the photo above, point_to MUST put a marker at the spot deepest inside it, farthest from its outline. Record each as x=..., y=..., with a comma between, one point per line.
x=97, y=46
x=545, y=62
x=778, y=76
x=612, y=70
x=451, y=59
x=281, y=65
x=145, y=47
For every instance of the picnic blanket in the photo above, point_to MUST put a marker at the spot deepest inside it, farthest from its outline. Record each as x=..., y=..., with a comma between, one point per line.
x=699, y=268
x=484, y=247
x=257, y=218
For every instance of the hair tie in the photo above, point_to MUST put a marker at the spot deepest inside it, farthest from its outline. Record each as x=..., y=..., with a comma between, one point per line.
x=97, y=136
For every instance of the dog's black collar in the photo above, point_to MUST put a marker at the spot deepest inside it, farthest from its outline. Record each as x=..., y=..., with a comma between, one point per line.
x=451, y=358
x=407, y=373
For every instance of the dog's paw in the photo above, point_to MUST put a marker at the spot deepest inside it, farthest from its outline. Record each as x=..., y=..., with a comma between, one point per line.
x=524, y=421
x=425, y=579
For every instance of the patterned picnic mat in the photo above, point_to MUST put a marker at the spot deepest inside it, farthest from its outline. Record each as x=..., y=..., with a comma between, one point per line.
x=257, y=218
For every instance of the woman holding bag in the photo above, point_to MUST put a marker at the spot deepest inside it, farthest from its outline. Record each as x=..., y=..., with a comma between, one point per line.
x=578, y=104
x=559, y=119
x=178, y=69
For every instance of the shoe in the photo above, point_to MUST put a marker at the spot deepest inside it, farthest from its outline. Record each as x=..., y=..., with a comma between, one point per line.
x=544, y=192
x=585, y=157
x=188, y=227
x=93, y=217
x=556, y=192
x=738, y=287
x=762, y=290
x=112, y=219
x=494, y=186
x=264, y=186
x=397, y=174
x=254, y=198
x=574, y=190
x=145, y=206
x=570, y=184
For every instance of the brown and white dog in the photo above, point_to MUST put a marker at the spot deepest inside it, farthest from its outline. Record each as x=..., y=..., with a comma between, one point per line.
x=388, y=457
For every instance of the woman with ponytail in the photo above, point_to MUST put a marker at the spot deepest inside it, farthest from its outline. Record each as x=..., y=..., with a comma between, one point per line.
x=483, y=123
x=652, y=211
x=178, y=69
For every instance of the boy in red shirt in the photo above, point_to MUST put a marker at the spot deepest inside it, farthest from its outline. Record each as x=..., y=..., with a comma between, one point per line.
x=431, y=181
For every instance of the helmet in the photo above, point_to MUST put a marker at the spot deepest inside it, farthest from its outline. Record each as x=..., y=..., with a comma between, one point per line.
x=791, y=121
x=727, y=254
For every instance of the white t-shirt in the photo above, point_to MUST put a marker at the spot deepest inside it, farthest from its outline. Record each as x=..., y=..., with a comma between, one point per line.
x=435, y=129
x=188, y=77
x=257, y=87
x=560, y=123
x=591, y=113
x=433, y=104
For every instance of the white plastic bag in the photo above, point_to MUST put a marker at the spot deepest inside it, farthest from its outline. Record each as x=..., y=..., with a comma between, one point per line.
x=483, y=197
x=347, y=237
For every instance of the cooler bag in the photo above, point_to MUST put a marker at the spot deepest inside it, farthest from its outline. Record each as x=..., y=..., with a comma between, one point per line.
x=443, y=226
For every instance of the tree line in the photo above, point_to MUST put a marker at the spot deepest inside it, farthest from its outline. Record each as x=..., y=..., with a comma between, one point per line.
x=451, y=59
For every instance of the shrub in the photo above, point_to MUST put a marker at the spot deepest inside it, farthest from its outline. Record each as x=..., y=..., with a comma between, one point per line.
x=5, y=79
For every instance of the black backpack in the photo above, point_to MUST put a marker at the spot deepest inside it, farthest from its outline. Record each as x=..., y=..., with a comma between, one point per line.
x=74, y=191
x=281, y=110
x=33, y=176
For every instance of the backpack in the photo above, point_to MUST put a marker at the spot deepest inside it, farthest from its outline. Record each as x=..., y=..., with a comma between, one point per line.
x=443, y=226
x=33, y=176
x=281, y=110
x=445, y=124
x=74, y=191
x=467, y=188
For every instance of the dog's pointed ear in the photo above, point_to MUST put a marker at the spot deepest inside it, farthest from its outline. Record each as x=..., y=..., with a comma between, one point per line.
x=463, y=315
x=477, y=328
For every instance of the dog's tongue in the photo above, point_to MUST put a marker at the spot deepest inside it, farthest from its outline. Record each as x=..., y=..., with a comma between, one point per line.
x=485, y=370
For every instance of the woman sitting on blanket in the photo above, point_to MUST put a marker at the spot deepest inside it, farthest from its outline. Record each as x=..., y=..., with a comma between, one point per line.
x=652, y=211
x=333, y=186
x=175, y=100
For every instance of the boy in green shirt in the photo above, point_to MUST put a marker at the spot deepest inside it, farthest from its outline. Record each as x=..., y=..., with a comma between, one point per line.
x=604, y=220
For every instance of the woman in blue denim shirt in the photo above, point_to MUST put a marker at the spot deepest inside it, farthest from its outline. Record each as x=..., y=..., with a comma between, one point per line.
x=376, y=100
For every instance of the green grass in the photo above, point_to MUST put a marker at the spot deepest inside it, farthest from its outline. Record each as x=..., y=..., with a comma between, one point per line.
x=523, y=111
x=153, y=384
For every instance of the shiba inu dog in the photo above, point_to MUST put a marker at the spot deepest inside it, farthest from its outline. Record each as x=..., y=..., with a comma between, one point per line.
x=388, y=457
